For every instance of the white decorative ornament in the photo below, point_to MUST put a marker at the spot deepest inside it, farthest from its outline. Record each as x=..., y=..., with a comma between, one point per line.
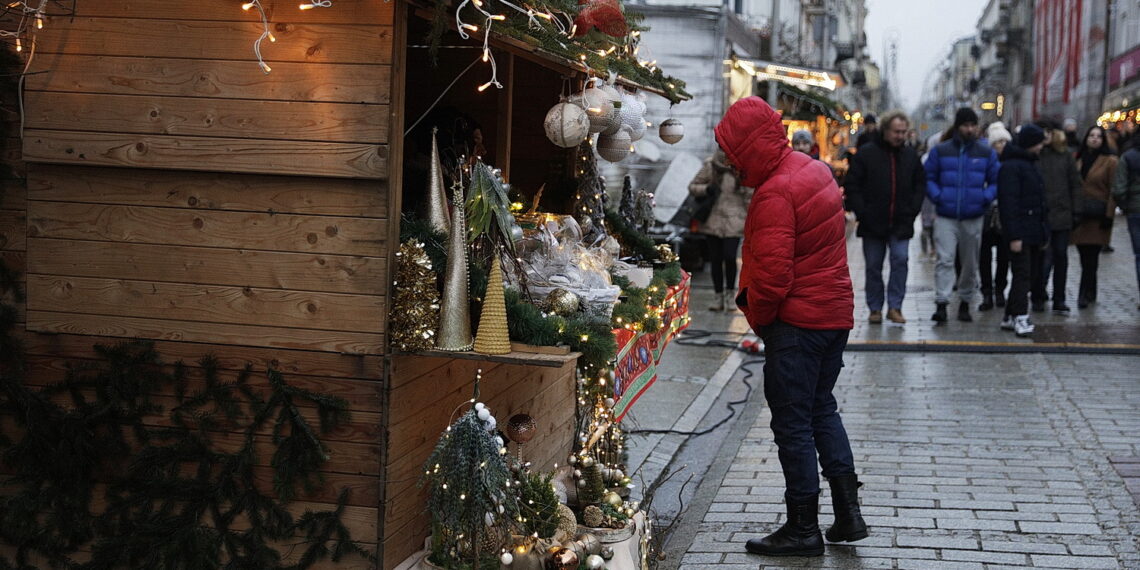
x=491, y=423
x=566, y=125
x=479, y=406
x=595, y=562
x=632, y=112
x=615, y=147
x=483, y=413
x=637, y=131
x=671, y=131
x=506, y=558
x=609, y=402
x=615, y=99
x=598, y=106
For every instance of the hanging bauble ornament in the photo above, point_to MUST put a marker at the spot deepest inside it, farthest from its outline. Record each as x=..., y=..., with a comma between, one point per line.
x=506, y=558
x=637, y=131
x=615, y=99
x=561, y=558
x=595, y=562
x=631, y=110
x=566, y=125
x=615, y=147
x=562, y=302
x=671, y=131
x=607, y=552
x=598, y=106
x=521, y=428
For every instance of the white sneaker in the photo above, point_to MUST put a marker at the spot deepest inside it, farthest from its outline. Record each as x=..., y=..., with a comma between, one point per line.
x=1022, y=326
x=1007, y=322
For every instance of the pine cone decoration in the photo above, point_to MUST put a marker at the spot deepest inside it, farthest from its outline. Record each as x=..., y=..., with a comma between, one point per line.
x=567, y=522
x=592, y=516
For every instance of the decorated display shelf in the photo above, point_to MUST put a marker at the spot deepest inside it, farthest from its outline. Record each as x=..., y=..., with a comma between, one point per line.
x=630, y=552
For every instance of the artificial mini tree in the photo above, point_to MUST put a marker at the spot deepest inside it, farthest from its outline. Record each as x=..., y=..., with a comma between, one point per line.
x=469, y=495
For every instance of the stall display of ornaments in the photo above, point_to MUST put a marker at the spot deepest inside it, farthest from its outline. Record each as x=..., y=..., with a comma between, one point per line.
x=671, y=131
x=566, y=125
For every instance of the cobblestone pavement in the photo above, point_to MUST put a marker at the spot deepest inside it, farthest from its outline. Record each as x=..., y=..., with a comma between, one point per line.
x=969, y=459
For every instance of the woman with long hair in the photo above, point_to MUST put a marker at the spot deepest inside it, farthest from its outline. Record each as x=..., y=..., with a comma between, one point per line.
x=1097, y=164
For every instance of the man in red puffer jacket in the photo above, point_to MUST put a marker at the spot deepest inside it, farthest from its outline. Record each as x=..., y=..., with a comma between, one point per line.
x=795, y=290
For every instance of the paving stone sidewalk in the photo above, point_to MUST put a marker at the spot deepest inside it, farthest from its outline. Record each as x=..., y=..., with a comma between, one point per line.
x=971, y=461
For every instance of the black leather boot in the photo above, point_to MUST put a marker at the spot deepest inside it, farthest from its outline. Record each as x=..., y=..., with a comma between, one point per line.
x=987, y=302
x=799, y=536
x=849, y=525
x=939, y=315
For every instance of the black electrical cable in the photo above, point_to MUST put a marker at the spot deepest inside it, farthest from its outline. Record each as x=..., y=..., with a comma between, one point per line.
x=748, y=373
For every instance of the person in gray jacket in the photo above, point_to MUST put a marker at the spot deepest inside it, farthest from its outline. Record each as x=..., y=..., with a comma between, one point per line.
x=1126, y=193
x=1062, y=195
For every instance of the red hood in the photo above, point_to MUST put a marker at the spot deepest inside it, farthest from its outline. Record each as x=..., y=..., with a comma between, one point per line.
x=754, y=139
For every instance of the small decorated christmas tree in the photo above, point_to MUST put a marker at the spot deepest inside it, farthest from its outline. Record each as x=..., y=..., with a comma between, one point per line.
x=469, y=495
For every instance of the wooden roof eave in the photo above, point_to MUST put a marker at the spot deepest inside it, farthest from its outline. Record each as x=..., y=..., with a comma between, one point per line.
x=538, y=55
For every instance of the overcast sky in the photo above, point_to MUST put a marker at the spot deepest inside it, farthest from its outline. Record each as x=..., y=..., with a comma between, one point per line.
x=925, y=31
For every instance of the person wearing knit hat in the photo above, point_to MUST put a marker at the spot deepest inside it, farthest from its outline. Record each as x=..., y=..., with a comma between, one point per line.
x=1024, y=221
x=961, y=181
x=870, y=130
x=802, y=141
x=994, y=280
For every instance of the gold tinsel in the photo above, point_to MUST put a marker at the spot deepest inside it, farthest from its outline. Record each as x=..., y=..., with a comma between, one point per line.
x=415, y=305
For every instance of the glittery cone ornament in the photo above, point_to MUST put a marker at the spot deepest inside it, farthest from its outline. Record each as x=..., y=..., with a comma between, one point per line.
x=493, y=336
x=454, y=318
x=437, y=195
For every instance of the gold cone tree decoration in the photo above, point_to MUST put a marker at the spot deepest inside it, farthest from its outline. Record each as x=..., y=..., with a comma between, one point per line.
x=455, y=316
x=415, y=304
x=493, y=336
x=437, y=195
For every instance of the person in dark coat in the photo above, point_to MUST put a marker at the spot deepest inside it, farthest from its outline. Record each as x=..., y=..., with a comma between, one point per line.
x=1024, y=221
x=1062, y=193
x=885, y=187
x=869, y=132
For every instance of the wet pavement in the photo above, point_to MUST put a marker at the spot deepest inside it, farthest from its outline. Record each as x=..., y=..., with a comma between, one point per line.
x=978, y=449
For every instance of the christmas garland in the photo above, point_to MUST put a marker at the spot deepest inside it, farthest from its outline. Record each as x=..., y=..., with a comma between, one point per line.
x=172, y=496
x=595, y=49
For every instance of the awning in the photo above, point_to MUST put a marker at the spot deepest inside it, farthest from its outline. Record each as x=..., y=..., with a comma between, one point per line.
x=791, y=75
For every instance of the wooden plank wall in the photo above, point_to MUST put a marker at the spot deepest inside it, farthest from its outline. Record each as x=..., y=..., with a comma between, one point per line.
x=425, y=391
x=175, y=192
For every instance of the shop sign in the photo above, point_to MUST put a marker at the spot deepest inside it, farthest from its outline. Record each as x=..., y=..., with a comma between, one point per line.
x=1124, y=68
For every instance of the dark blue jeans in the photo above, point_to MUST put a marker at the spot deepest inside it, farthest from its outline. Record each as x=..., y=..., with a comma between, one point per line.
x=800, y=370
x=874, y=250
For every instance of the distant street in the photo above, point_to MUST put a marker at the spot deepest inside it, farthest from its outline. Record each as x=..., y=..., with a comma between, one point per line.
x=974, y=454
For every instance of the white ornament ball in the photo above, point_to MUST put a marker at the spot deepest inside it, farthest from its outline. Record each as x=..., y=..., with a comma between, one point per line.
x=479, y=406
x=598, y=106
x=615, y=147
x=609, y=402
x=671, y=131
x=595, y=562
x=491, y=423
x=483, y=413
x=587, y=461
x=498, y=441
x=637, y=131
x=631, y=111
x=506, y=558
x=489, y=519
x=566, y=125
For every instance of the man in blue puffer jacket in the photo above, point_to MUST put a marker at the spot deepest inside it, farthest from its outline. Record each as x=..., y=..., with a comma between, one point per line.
x=961, y=181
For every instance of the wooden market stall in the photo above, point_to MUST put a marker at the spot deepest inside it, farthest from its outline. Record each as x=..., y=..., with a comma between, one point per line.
x=166, y=188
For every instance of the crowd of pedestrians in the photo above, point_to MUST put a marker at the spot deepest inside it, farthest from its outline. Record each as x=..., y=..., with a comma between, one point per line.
x=1001, y=209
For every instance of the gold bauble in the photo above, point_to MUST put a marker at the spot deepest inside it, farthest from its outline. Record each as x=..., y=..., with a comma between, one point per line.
x=521, y=428
x=612, y=498
x=562, y=302
x=665, y=254
x=561, y=558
